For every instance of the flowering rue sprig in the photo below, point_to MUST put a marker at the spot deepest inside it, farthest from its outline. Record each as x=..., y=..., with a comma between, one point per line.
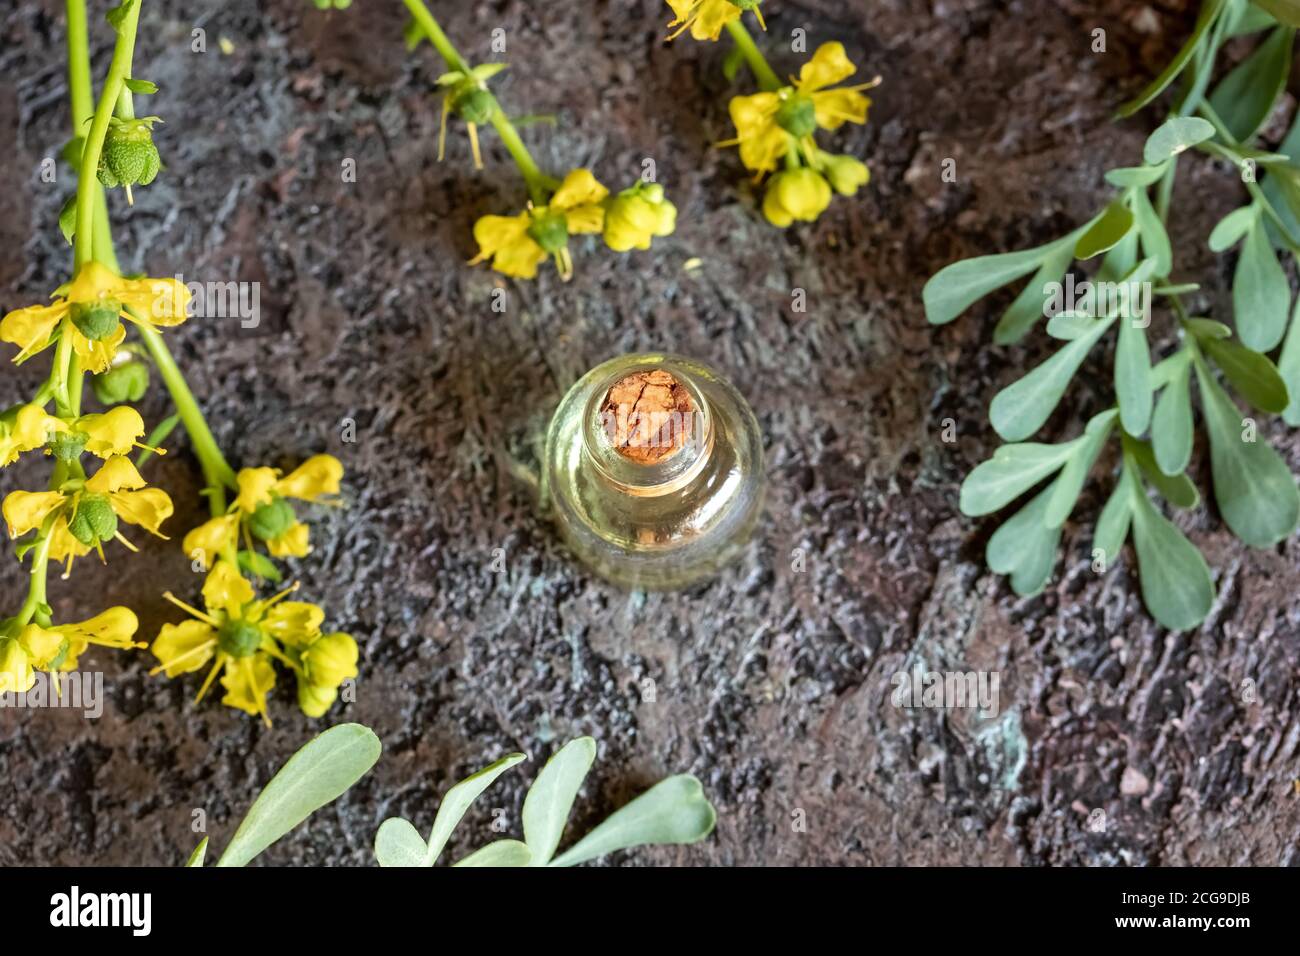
x=776, y=128
x=85, y=330
x=557, y=209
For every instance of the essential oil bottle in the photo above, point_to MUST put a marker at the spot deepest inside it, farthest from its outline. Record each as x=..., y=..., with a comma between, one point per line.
x=653, y=471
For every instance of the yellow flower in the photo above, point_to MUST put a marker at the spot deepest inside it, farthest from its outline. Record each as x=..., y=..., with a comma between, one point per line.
x=517, y=245
x=24, y=428
x=105, y=435
x=84, y=514
x=770, y=124
x=90, y=309
x=59, y=647
x=16, y=674
x=795, y=194
x=637, y=214
x=261, y=509
x=238, y=634
x=330, y=659
x=706, y=18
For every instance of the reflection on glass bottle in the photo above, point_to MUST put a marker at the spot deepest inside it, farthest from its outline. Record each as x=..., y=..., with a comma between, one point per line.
x=654, y=470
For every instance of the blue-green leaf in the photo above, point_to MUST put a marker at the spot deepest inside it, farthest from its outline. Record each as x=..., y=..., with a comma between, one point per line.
x=1107, y=231
x=1113, y=522
x=1031, y=305
x=1012, y=471
x=1133, y=376
x=954, y=288
x=1246, y=95
x=1175, y=136
x=1025, y=547
x=1230, y=229
x=1171, y=423
x=1209, y=11
x=1261, y=295
x=200, y=851
x=672, y=811
x=1288, y=366
x=1155, y=241
x=501, y=853
x=550, y=798
x=1022, y=407
x=1254, y=487
x=1253, y=375
x=1176, y=584
x=1067, y=487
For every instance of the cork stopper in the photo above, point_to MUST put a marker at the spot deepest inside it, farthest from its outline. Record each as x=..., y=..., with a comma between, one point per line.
x=647, y=416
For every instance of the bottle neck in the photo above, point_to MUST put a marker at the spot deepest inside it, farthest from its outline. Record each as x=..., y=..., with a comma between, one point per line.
x=693, y=429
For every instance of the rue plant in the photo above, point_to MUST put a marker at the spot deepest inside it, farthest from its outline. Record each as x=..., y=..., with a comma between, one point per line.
x=106, y=326
x=777, y=128
x=673, y=811
x=1145, y=437
x=557, y=209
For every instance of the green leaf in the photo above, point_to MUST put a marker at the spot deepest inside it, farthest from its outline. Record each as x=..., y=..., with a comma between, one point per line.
x=485, y=71
x=1171, y=423
x=1113, y=523
x=672, y=811
x=117, y=16
x=1253, y=18
x=200, y=851
x=1025, y=547
x=1125, y=177
x=1288, y=366
x=1261, y=295
x=1133, y=376
x=412, y=35
x=1252, y=484
x=317, y=774
x=1067, y=487
x=143, y=87
x=546, y=808
x=398, y=843
x=458, y=800
x=956, y=287
x=258, y=565
x=500, y=853
x=1022, y=407
x=1209, y=11
x=1254, y=377
x=1068, y=326
x=1012, y=471
x=1178, y=490
x=1230, y=229
x=1285, y=11
x=1176, y=584
x=1175, y=136
x=1106, y=232
x=1245, y=96
x=1155, y=241
x=68, y=218
x=1031, y=304
x=732, y=63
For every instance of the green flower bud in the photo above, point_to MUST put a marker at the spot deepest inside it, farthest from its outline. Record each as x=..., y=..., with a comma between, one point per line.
x=97, y=321
x=330, y=660
x=474, y=105
x=797, y=116
x=845, y=173
x=129, y=157
x=239, y=638
x=68, y=446
x=94, y=520
x=272, y=519
x=121, y=383
x=550, y=232
x=314, y=700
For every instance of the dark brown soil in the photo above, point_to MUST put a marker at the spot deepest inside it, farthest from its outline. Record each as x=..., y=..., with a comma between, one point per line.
x=772, y=684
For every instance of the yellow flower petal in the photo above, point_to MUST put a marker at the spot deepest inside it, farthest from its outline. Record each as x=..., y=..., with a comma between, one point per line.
x=293, y=622
x=315, y=701
x=115, y=627
x=505, y=240
x=292, y=544
x=32, y=427
x=62, y=544
x=27, y=510
x=247, y=682
x=115, y=432
x=116, y=474
x=318, y=475
x=226, y=590
x=584, y=219
x=762, y=142
x=834, y=108
x=579, y=188
x=30, y=328
x=16, y=674
x=828, y=65
x=41, y=645
x=160, y=302
x=330, y=660
x=706, y=18
x=148, y=508
x=177, y=647
x=212, y=537
x=96, y=357
x=255, y=487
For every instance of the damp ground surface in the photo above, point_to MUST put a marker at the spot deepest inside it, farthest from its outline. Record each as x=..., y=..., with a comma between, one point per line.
x=771, y=684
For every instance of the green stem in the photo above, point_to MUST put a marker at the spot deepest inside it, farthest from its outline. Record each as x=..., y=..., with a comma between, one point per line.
x=540, y=186
x=118, y=71
x=216, y=470
x=758, y=65
x=40, y=571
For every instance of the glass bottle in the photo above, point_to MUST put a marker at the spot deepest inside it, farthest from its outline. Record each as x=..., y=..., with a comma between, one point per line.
x=653, y=471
